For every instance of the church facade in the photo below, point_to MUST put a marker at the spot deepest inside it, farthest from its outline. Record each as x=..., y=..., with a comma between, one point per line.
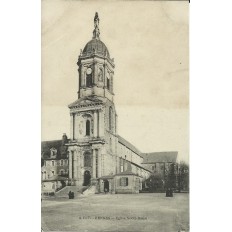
x=96, y=155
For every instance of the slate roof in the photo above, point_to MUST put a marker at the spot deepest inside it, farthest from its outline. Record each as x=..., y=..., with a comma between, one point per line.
x=128, y=145
x=96, y=46
x=107, y=177
x=57, y=144
x=126, y=173
x=85, y=101
x=160, y=157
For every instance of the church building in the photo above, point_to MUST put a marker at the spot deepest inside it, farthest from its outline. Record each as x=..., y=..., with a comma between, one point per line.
x=95, y=154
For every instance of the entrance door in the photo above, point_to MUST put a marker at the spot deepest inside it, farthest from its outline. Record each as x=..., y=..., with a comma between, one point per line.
x=87, y=178
x=106, y=186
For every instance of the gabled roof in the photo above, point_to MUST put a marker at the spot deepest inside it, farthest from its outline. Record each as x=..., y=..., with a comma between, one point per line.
x=128, y=145
x=90, y=100
x=126, y=173
x=160, y=157
x=107, y=177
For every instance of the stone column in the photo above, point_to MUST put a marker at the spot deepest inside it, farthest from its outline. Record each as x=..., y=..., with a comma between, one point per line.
x=116, y=123
x=74, y=119
x=94, y=164
x=70, y=165
x=75, y=165
x=99, y=163
x=71, y=126
x=82, y=77
x=95, y=124
x=78, y=165
x=101, y=123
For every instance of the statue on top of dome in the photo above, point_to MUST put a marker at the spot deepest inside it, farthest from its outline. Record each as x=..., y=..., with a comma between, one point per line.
x=96, y=31
x=96, y=20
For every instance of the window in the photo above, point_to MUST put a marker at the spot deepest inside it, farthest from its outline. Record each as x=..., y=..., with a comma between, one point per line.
x=52, y=173
x=52, y=163
x=87, y=160
x=88, y=127
x=108, y=83
x=121, y=165
x=61, y=162
x=61, y=172
x=44, y=163
x=124, y=181
x=89, y=80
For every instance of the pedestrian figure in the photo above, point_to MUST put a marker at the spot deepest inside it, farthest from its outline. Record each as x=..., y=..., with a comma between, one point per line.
x=105, y=190
x=70, y=195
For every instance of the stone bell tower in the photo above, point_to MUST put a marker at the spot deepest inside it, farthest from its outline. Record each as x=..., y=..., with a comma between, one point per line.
x=92, y=148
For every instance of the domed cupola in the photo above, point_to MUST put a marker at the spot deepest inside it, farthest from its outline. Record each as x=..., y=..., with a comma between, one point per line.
x=95, y=46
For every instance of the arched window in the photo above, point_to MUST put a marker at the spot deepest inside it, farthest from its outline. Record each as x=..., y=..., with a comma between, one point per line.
x=87, y=160
x=88, y=80
x=61, y=172
x=87, y=127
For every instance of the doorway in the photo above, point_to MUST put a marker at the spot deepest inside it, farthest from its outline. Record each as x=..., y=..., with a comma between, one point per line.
x=87, y=178
x=106, y=186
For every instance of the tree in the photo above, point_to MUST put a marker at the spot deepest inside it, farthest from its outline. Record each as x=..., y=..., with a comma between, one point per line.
x=155, y=183
x=170, y=180
x=183, y=176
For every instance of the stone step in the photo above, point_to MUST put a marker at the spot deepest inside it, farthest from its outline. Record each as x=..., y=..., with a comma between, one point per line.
x=64, y=191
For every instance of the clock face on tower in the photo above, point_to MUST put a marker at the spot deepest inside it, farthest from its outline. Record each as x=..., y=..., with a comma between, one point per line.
x=89, y=71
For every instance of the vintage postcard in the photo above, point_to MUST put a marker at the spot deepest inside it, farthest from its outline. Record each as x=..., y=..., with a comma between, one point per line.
x=115, y=116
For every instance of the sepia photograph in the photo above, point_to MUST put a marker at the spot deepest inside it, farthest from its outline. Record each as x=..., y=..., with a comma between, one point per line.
x=115, y=116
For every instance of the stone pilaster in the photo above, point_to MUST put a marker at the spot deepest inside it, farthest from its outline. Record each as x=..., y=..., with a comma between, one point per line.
x=78, y=165
x=101, y=123
x=70, y=165
x=99, y=163
x=75, y=165
x=83, y=84
x=94, y=164
x=71, y=126
x=95, y=124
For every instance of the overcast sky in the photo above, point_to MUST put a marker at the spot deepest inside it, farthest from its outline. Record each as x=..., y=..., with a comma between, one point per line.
x=149, y=43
